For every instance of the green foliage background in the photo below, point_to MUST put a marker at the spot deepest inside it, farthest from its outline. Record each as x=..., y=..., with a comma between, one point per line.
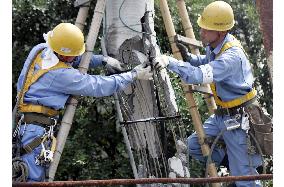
x=95, y=148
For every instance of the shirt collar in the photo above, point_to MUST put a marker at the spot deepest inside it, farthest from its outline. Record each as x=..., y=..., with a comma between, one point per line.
x=220, y=45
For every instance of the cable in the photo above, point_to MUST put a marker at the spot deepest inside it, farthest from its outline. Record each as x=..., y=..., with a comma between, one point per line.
x=214, y=144
x=119, y=15
x=210, y=153
x=260, y=152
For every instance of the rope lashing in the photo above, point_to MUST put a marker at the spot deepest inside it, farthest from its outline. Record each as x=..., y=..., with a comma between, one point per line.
x=20, y=170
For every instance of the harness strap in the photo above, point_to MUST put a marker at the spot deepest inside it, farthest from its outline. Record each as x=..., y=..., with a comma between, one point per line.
x=38, y=109
x=228, y=45
x=31, y=146
x=235, y=102
x=32, y=77
x=238, y=101
x=39, y=119
x=36, y=142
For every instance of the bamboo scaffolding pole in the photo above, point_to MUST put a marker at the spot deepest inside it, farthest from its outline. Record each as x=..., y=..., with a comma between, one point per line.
x=83, y=67
x=82, y=16
x=187, y=26
x=187, y=88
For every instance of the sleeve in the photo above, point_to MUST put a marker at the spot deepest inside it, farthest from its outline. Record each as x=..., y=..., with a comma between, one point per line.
x=71, y=81
x=197, y=60
x=215, y=71
x=96, y=61
x=187, y=72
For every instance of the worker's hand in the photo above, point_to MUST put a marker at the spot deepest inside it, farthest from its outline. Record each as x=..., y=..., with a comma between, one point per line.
x=142, y=72
x=184, y=52
x=161, y=62
x=112, y=65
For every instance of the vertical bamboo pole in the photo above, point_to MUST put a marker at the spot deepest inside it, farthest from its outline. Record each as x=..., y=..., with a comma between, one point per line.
x=83, y=67
x=187, y=26
x=187, y=88
x=82, y=16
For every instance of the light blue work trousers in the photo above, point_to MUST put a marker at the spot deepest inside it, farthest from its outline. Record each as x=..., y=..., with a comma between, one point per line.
x=240, y=162
x=29, y=132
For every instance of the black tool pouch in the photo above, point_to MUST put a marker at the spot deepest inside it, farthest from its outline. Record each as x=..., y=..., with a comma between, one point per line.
x=261, y=127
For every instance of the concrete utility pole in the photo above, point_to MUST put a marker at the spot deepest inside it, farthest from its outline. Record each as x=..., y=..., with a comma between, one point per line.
x=126, y=42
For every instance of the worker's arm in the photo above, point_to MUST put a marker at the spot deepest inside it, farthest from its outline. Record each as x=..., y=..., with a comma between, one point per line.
x=72, y=82
x=96, y=61
x=215, y=71
x=110, y=63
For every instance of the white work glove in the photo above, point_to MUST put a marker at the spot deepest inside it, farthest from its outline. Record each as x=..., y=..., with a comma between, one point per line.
x=142, y=72
x=161, y=62
x=112, y=65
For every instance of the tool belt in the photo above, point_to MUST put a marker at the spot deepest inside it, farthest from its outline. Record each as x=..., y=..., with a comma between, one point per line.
x=233, y=111
x=261, y=128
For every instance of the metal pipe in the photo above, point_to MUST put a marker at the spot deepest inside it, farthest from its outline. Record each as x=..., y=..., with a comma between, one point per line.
x=146, y=181
x=151, y=119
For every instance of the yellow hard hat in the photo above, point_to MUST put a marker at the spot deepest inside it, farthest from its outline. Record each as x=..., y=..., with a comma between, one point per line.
x=67, y=39
x=217, y=16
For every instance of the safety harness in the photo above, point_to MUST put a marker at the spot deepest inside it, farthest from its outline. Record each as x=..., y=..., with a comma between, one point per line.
x=38, y=114
x=32, y=77
x=238, y=101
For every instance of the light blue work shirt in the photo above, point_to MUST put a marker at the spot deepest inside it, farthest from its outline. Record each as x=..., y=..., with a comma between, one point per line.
x=54, y=87
x=231, y=70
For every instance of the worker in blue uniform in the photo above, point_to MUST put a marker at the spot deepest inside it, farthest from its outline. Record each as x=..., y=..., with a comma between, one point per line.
x=226, y=68
x=50, y=79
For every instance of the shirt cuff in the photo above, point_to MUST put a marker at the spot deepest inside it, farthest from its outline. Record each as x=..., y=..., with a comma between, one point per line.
x=128, y=76
x=173, y=64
